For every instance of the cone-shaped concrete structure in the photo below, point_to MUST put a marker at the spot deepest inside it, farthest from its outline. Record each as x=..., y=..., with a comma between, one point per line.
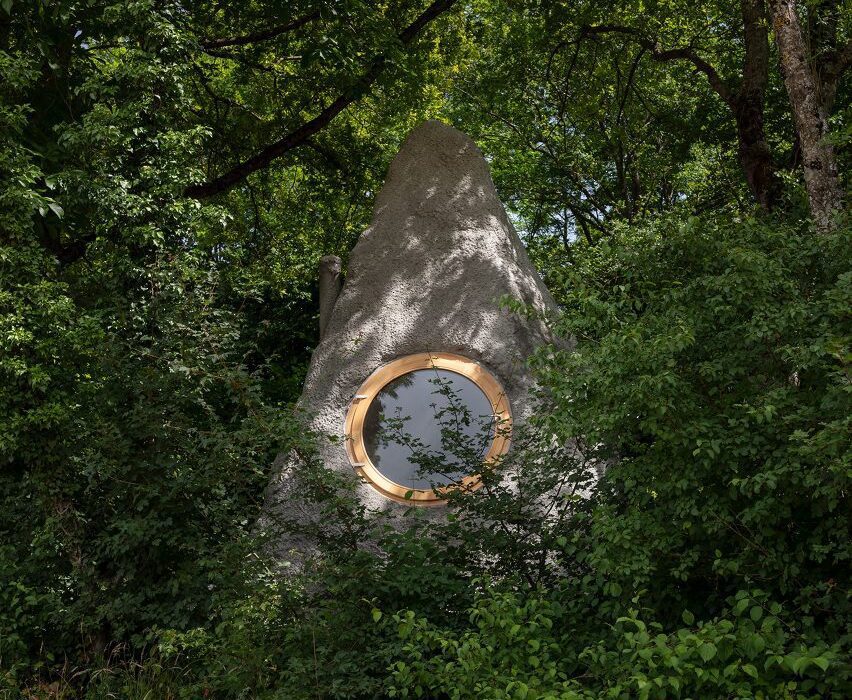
x=427, y=276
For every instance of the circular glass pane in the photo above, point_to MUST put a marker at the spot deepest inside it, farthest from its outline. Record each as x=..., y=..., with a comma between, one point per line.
x=428, y=428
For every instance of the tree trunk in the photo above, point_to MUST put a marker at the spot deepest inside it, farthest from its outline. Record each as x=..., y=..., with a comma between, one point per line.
x=754, y=152
x=825, y=196
x=748, y=104
x=826, y=58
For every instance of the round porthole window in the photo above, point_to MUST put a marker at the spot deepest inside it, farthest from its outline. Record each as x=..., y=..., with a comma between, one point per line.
x=426, y=423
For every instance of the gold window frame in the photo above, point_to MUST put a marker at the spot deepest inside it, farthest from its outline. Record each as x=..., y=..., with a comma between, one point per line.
x=354, y=424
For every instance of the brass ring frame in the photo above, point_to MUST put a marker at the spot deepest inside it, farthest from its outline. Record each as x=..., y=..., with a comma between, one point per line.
x=354, y=425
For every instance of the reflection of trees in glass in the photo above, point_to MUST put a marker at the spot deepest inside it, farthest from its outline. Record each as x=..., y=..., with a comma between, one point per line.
x=373, y=429
x=402, y=381
x=429, y=428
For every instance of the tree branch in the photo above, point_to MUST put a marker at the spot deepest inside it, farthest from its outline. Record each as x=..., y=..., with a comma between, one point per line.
x=263, y=35
x=840, y=61
x=327, y=154
x=236, y=57
x=828, y=59
x=629, y=84
x=300, y=134
x=756, y=40
x=684, y=53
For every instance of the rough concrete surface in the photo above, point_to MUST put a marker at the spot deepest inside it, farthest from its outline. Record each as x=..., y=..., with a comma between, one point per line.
x=425, y=276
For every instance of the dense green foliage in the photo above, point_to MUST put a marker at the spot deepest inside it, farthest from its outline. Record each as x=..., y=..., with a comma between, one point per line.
x=152, y=344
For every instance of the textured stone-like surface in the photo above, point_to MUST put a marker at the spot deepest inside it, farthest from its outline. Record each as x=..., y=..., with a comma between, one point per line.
x=427, y=275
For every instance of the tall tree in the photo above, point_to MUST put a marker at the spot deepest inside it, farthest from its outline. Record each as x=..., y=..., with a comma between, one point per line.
x=745, y=96
x=301, y=134
x=829, y=53
x=819, y=163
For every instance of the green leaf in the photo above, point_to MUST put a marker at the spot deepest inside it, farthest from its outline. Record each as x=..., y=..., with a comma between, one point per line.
x=750, y=670
x=822, y=662
x=707, y=651
x=688, y=617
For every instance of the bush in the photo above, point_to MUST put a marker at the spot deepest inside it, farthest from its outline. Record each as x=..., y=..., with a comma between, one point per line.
x=712, y=376
x=525, y=647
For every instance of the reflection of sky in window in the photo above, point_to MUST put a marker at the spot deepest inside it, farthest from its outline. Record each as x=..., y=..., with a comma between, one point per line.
x=418, y=405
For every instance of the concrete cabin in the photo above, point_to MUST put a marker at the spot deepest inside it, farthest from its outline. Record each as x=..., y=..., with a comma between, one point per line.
x=421, y=305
